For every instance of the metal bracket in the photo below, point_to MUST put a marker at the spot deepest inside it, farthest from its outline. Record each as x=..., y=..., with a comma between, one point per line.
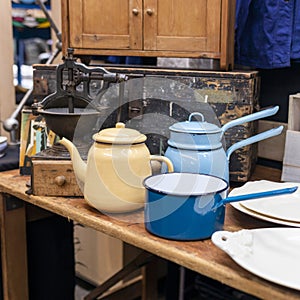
x=135, y=109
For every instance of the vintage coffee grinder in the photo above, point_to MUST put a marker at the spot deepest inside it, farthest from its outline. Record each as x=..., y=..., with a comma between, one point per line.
x=72, y=111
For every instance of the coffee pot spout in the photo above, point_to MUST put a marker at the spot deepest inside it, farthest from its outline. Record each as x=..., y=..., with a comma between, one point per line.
x=79, y=165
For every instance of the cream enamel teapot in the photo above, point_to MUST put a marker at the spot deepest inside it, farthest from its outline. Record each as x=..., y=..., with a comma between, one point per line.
x=117, y=164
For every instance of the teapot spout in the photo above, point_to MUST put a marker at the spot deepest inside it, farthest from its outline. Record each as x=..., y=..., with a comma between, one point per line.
x=79, y=165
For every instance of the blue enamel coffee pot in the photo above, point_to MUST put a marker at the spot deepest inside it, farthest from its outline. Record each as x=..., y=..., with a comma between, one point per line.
x=196, y=146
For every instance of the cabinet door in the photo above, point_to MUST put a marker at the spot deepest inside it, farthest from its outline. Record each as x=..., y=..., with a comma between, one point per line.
x=182, y=25
x=105, y=24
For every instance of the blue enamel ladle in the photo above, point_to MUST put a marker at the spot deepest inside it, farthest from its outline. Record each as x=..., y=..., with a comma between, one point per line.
x=256, y=195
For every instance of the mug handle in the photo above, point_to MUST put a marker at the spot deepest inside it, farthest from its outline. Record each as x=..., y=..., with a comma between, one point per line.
x=165, y=160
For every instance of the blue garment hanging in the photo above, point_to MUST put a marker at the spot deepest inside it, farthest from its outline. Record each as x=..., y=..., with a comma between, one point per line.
x=128, y=60
x=267, y=33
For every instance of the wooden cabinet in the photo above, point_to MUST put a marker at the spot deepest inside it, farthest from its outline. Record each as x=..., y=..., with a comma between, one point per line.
x=165, y=28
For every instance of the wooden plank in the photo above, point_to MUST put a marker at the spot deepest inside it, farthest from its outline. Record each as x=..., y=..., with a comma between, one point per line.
x=65, y=28
x=182, y=43
x=213, y=26
x=75, y=23
x=130, y=290
x=291, y=159
x=227, y=35
x=142, y=53
x=135, y=24
x=272, y=148
x=7, y=99
x=150, y=25
x=110, y=41
x=56, y=13
x=294, y=112
x=13, y=248
x=290, y=173
x=292, y=154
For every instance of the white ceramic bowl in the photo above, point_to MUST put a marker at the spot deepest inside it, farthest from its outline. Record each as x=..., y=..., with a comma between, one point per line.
x=3, y=145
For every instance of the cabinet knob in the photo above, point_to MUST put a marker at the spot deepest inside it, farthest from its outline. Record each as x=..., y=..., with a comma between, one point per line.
x=135, y=11
x=149, y=12
x=60, y=180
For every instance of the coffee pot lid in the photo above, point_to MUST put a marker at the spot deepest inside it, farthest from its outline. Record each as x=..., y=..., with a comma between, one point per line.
x=119, y=135
x=199, y=127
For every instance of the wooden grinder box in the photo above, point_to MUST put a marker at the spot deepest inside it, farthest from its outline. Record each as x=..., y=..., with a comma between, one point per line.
x=230, y=94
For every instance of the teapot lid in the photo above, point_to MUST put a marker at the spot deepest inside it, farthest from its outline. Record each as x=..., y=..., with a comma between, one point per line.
x=195, y=126
x=119, y=135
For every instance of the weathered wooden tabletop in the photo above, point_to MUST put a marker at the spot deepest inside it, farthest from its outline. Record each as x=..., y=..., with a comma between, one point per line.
x=201, y=256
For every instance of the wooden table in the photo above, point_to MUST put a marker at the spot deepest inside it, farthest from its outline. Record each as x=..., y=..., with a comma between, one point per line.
x=200, y=256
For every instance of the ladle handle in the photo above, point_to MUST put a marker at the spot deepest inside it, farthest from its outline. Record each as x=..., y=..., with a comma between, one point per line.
x=258, y=195
x=252, y=117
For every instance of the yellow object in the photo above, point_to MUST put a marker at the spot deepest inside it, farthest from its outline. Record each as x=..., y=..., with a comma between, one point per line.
x=119, y=135
x=44, y=25
x=117, y=164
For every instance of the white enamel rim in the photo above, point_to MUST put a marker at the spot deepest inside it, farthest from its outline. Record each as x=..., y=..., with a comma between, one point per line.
x=185, y=184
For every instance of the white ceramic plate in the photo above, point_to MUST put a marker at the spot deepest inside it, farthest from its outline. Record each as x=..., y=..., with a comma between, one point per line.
x=242, y=209
x=283, y=208
x=3, y=139
x=27, y=1
x=270, y=253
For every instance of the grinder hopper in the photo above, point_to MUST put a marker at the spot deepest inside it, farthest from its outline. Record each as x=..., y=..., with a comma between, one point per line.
x=71, y=106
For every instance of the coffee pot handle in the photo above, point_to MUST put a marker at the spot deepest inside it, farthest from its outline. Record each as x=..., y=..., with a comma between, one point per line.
x=253, y=139
x=252, y=117
x=164, y=159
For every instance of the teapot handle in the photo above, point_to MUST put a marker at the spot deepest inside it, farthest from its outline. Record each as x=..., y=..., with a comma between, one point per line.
x=165, y=160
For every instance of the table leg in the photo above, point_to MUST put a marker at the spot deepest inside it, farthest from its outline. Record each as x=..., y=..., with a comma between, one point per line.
x=141, y=260
x=149, y=272
x=13, y=246
x=20, y=59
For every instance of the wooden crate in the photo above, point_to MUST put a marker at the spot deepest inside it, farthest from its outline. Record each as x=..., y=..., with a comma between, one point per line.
x=230, y=94
x=291, y=158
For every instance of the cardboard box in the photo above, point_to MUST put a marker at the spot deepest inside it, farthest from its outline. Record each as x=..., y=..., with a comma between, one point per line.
x=34, y=138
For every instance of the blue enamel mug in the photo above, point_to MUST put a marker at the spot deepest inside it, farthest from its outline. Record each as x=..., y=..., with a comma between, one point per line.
x=180, y=206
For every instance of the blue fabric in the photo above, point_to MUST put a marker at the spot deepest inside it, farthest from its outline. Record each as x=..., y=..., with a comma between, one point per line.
x=267, y=33
x=128, y=60
x=295, y=53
